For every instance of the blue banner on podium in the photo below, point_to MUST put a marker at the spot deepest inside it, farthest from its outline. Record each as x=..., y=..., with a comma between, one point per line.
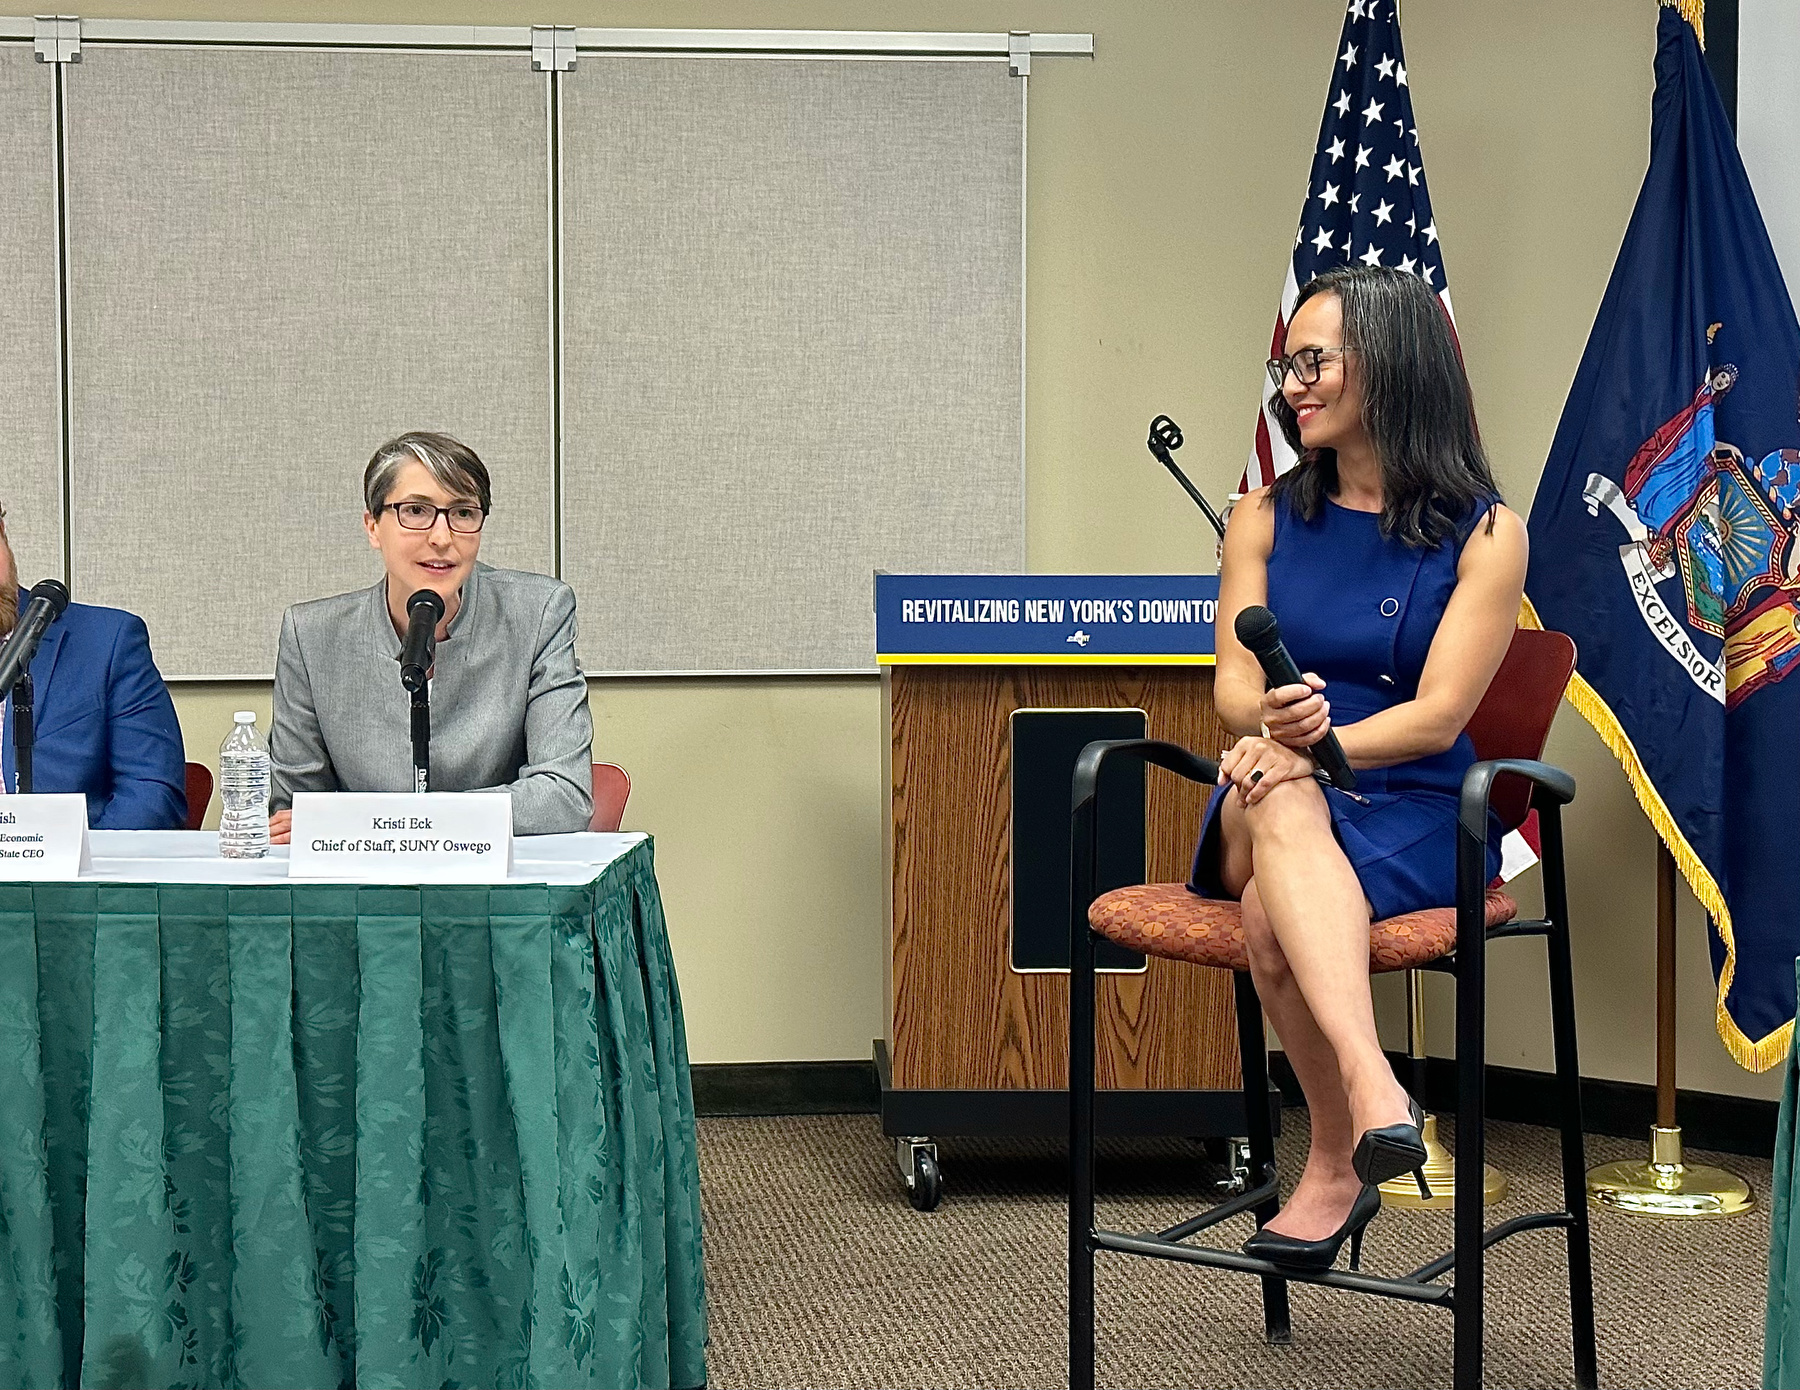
x=1037, y=619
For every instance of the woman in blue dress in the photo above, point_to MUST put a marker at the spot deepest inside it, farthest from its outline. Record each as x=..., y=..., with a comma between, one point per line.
x=1396, y=576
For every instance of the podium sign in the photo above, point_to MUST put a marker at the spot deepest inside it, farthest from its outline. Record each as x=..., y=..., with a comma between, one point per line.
x=402, y=837
x=43, y=837
x=1038, y=619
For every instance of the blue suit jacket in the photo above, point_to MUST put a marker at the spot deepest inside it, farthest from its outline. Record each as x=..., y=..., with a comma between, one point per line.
x=105, y=723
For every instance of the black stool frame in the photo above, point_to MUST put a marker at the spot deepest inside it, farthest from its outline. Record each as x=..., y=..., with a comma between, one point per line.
x=1552, y=788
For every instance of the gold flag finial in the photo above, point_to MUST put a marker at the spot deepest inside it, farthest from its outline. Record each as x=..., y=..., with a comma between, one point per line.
x=1694, y=12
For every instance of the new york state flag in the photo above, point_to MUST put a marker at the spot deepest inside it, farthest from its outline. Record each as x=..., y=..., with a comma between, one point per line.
x=1664, y=541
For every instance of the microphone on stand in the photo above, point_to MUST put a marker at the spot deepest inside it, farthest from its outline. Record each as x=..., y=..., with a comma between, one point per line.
x=1259, y=632
x=424, y=611
x=48, y=599
x=1165, y=438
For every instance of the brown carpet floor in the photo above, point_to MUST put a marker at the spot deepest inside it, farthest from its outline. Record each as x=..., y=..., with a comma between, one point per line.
x=820, y=1274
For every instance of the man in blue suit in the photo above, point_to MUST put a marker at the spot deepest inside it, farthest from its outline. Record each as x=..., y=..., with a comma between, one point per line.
x=105, y=724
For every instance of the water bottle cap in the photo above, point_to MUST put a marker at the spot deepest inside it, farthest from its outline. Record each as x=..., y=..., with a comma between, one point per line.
x=245, y=716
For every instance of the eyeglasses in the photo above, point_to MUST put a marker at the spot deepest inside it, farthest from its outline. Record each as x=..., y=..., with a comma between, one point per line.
x=465, y=518
x=1304, y=364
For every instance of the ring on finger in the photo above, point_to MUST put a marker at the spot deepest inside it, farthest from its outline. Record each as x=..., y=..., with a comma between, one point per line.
x=1256, y=777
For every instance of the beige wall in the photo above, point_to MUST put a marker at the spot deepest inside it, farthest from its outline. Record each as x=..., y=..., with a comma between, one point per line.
x=1164, y=180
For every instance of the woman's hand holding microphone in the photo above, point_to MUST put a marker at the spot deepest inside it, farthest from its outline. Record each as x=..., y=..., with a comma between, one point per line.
x=1295, y=717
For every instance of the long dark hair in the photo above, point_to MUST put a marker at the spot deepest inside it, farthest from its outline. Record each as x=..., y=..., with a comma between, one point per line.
x=1416, y=408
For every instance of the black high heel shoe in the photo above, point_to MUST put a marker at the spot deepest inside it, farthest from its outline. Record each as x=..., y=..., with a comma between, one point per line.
x=1317, y=1256
x=1391, y=1150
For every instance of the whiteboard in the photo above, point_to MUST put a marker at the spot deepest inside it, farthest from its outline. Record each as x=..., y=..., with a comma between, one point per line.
x=31, y=401
x=791, y=349
x=279, y=260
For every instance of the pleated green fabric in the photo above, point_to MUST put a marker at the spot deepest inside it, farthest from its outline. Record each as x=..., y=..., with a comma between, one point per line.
x=326, y=1136
x=1781, y=1320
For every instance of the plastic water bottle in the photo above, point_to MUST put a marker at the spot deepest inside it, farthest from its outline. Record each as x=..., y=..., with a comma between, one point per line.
x=244, y=789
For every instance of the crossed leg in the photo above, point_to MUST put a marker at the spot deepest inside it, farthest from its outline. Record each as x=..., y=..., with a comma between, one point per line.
x=1306, y=928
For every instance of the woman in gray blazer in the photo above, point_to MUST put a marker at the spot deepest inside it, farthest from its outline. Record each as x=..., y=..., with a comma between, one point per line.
x=508, y=702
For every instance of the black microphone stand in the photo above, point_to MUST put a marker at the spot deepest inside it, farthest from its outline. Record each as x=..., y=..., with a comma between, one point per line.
x=421, y=737
x=1165, y=437
x=23, y=732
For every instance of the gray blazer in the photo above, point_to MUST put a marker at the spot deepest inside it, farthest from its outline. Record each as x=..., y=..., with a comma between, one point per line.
x=508, y=702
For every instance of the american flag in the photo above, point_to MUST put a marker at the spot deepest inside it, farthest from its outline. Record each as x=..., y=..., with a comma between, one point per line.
x=1366, y=200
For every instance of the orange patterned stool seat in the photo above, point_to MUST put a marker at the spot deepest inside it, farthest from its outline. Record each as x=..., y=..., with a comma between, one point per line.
x=1164, y=919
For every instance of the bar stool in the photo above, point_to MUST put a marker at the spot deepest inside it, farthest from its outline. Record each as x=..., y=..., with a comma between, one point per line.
x=1508, y=731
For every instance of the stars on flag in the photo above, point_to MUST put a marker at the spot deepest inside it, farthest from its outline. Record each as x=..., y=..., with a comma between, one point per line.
x=1366, y=199
x=1369, y=203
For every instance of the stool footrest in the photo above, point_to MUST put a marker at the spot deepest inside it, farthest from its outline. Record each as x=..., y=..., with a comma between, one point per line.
x=1409, y=1289
x=1531, y=1221
x=1245, y=1201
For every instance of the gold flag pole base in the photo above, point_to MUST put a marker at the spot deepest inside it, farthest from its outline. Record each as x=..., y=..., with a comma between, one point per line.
x=1665, y=1186
x=1440, y=1176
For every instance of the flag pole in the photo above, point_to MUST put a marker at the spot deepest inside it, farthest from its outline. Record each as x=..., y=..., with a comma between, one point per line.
x=1440, y=1164
x=1665, y=1185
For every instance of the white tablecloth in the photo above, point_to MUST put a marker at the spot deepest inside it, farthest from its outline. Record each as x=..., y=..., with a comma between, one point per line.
x=192, y=856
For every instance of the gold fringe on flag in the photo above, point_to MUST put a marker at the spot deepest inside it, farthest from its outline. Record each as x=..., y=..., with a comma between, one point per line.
x=1749, y=1053
x=1694, y=12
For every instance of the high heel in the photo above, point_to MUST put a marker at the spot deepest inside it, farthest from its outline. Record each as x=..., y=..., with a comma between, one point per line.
x=1391, y=1150
x=1317, y=1256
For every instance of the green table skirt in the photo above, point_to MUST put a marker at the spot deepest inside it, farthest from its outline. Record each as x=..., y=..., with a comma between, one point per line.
x=1781, y=1327
x=346, y=1136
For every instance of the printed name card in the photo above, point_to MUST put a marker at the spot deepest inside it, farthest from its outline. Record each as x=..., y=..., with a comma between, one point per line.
x=402, y=837
x=43, y=837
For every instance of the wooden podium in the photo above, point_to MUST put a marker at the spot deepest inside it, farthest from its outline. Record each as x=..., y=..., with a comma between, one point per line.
x=975, y=1044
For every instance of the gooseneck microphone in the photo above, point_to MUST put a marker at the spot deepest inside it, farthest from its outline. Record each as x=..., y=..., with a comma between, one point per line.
x=48, y=599
x=1165, y=438
x=424, y=611
x=1257, y=629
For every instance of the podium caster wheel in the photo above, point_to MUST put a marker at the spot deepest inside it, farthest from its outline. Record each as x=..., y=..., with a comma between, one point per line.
x=920, y=1172
x=927, y=1187
x=1233, y=1156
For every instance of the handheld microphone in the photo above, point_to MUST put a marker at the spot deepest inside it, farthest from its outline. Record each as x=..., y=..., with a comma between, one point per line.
x=48, y=599
x=424, y=611
x=1165, y=438
x=1259, y=632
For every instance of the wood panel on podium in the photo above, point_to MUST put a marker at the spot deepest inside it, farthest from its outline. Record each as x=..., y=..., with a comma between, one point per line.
x=975, y=1045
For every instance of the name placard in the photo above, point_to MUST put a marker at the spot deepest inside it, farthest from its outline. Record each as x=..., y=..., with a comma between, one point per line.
x=43, y=837
x=402, y=837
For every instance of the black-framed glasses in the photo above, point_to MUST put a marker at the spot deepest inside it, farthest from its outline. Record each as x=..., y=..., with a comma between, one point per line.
x=464, y=518
x=1304, y=364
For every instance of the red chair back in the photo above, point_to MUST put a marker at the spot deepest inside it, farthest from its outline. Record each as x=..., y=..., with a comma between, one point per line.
x=199, y=793
x=1513, y=718
x=612, y=787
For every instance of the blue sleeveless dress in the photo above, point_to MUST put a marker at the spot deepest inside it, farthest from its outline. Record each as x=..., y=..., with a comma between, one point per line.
x=1360, y=610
